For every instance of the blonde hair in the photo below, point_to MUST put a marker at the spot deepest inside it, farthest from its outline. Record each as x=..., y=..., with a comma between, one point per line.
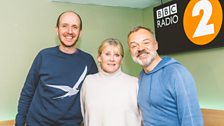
x=111, y=41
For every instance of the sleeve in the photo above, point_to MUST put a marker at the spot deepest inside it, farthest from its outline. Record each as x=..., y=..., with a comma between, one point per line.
x=27, y=92
x=93, y=67
x=139, y=110
x=188, y=108
x=82, y=98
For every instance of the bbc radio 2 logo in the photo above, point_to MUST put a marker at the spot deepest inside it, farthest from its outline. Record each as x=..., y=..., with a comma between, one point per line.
x=167, y=16
x=202, y=20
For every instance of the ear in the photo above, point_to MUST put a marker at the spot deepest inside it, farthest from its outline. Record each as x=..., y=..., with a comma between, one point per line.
x=121, y=61
x=80, y=33
x=99, y=59
x=56, y=30
x=156, y=45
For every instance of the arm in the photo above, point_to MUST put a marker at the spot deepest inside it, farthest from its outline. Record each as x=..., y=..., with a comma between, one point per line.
x=93, y=68
x=28, y=92
x=188, y=108
x=82, y=99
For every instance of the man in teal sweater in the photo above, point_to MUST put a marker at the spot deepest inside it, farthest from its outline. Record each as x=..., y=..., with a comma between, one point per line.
x=167, y=94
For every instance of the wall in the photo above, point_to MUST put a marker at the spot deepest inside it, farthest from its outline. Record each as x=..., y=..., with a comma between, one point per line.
x=27, y=26
x=206, y=67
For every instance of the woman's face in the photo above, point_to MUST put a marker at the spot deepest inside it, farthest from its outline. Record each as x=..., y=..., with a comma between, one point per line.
x=110, y=59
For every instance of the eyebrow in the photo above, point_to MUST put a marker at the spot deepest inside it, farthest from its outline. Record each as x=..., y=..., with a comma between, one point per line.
x=147, y=39
x=133, y=42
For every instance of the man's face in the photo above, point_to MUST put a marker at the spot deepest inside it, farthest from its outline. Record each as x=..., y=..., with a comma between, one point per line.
x=68, y=30
x=143, y=47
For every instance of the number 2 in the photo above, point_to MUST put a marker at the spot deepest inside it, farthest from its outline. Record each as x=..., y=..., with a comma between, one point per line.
x=203, y=27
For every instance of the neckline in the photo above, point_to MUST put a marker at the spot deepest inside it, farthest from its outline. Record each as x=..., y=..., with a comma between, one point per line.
x=110, y=75
x=76, y=51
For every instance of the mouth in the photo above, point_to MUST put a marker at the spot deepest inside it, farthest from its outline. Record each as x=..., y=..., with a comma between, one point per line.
x=69, y=37
x=111, y=64
x=142, y=55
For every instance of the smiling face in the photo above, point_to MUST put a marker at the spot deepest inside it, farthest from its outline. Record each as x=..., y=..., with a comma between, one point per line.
x=143, y=47
x=68, y=29
x=110, y=56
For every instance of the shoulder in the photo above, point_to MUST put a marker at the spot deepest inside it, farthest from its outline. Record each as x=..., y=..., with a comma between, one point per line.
x=170, y=72
x=172, y=65
x=44, y=52
x=48, y=50
x=129, y=78
x=84, y=54
x=177, y=69
x=91, y=77
x=177, y=73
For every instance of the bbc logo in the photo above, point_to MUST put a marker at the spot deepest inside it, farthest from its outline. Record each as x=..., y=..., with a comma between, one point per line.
x=166, y=11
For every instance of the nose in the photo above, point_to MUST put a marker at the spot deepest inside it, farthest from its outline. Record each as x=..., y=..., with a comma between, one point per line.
x=111, y=58
x=140, y=48
x=70, y=30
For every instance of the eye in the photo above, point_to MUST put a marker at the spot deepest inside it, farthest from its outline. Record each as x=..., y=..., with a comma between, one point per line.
x=75, y=27
x=63, y=25
x=146, y=43
x=107, y=54
x=117, y=55
x=133, y=45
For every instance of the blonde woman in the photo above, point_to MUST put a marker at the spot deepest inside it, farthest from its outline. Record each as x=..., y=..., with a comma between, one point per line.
x=109, y=97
